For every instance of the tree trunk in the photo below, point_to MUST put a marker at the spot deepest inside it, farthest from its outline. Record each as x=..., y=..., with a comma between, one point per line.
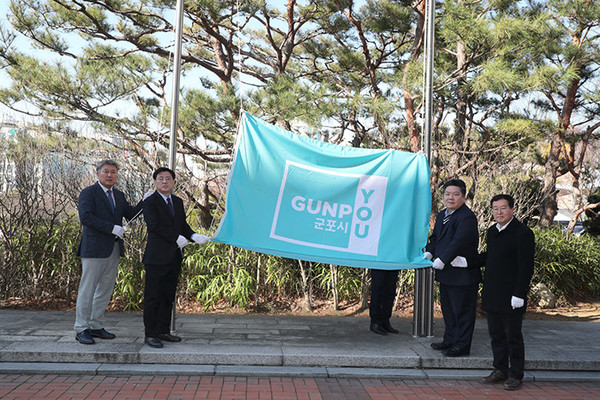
x=205, y=217
x=257, y=296
x=306, y=285
x=461, y=110
x=549, y=205
x=364, y=296
x=334, y=286
x=231, y=263
x=409, y=98
x=411, y=122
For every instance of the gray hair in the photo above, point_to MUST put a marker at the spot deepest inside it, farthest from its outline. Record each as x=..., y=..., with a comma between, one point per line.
x=106, y=162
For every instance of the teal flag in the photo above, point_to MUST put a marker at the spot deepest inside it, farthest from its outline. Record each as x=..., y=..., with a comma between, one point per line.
x=293, y=196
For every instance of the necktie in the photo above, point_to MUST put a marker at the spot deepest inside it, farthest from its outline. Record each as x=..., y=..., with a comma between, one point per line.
x=170, y=206
x=110, y=200
x=446, y=218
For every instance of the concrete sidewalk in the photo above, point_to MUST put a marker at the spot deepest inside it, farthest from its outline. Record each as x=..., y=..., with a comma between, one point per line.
x=254, y=345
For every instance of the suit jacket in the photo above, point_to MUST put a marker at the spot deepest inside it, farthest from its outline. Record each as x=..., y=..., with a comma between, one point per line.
x=458, y=237
x=509, y=263
x=97, y=217
x=163, y=228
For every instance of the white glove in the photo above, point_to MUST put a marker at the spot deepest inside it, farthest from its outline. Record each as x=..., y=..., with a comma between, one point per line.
x=181, y=242
x=517, y=302
x=460, y=262
x=438, y=264
x=200, y=239
x=427, y=255
x=119, y=231
x=147, y=194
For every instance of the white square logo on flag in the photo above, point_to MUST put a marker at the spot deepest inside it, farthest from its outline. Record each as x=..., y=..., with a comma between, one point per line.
x=331, y=210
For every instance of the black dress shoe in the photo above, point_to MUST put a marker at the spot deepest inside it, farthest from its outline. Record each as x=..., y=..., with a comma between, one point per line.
x=496, y=376
x=84, y=337
x=378, y=329
x=513, y=383
x=102, y=334
x=455, y=352
x=153, y=342
x=167, y=337
x=440, y=346
x=389, y=328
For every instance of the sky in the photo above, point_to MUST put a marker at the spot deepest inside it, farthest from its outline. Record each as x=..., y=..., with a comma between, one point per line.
x=26, y=47
x=188, y=81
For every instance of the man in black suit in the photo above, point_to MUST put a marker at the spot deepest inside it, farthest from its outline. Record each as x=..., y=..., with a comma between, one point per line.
x=383, y=294
x=509, y=263
x=101, y=211
x=168, y=234
x=453, y=248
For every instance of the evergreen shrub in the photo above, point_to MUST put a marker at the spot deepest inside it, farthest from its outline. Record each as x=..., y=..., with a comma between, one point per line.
x=568, y=264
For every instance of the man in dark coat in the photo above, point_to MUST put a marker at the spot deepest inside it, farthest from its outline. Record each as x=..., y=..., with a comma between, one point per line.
x=101, y=210
x=453, y=248
x=168, y=234
x=383, y=294
x=508, y=270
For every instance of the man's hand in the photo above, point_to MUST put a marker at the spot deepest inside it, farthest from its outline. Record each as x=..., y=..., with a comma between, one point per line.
x=200, y=239
x=427, y=255
x=118, y=231
x=438, y=264
x=517, y=302
x=181, y=242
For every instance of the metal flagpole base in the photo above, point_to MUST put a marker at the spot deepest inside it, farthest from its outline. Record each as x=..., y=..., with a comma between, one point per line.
x=423, y=309
x=173, y=318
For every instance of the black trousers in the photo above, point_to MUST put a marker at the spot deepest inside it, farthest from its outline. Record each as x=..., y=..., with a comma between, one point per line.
x=459, y=308
x=507, y=343
x=159, y=295
x=383, y=293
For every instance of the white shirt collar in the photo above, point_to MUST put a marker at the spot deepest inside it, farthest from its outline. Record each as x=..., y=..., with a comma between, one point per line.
x=503, y=227
x=104, y=187
x=163, y=196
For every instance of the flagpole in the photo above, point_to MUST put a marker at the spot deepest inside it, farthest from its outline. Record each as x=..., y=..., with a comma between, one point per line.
x=423, y=297
x=175, y=110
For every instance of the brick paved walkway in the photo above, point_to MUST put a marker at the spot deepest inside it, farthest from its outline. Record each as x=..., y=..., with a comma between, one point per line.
x=68, y=387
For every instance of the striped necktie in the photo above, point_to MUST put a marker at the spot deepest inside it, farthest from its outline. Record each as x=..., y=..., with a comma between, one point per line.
x=170, y=206
x=110, y=200
x=446, y=218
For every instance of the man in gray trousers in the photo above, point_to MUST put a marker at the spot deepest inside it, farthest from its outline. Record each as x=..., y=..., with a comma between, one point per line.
x=101, y=211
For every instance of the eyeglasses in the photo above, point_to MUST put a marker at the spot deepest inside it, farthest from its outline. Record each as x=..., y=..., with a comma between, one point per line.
x=164, y=178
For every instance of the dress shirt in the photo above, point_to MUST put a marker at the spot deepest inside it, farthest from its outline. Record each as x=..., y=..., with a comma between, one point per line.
x=503, y=227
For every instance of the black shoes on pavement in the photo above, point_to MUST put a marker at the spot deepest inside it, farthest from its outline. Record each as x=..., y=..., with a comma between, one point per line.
x=449, y=350
x=167, y=337
x=513, y=383
x=389, y=328
x=440, y=346
x=383, y=328
x=157, y=342
x=496, y=376
x=87, y=336
x=102, y=334
x=153, y=342
x=378, y=329
x=456, y=351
